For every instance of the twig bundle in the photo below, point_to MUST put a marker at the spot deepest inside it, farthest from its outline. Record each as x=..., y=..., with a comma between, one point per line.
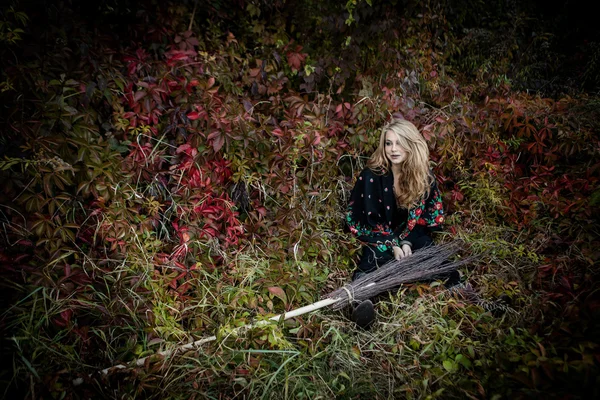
x=427, y=263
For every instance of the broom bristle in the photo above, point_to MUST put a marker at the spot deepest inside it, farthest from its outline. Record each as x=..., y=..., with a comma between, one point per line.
x=423, y=264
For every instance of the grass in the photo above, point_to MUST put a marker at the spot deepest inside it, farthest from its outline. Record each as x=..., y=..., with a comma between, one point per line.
x=426, y=342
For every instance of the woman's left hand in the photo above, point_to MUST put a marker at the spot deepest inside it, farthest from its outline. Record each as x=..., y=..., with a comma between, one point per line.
x=407, y=250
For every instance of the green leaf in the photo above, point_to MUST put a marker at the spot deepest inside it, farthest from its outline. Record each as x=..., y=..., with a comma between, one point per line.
x=449, y=365
x=138, y=349
x=30, y=367
x=471, y=351
x=70, y=110
x=464, y=361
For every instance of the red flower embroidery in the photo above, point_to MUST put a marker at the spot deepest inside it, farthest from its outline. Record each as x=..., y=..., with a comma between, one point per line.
x=421, y=221
x=411, y=224
x=438, y=206
x=439, y=219
x=418, y=211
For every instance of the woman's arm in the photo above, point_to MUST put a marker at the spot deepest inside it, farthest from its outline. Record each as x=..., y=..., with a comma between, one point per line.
x=424, y=219
x=434, y=209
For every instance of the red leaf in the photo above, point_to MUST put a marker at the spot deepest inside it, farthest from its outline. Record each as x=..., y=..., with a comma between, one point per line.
x=277, y=291
x=317, y=139
x=193, y=116
x=185, y=237
x=218, y=143
x=457, y=195
x=427, y=133
x=247, y=105
x=211, y=82
x=183, y=148
x=295, y=58
x=139, y=95
x=177, y=56
x=66, y=315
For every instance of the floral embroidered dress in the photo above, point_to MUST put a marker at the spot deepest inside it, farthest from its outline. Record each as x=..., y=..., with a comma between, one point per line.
x=375, y=219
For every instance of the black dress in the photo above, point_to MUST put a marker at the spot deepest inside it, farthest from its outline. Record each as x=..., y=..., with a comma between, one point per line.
x=375, y=219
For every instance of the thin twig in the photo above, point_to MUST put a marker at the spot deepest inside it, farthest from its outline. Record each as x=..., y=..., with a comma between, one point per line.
x=193, y=15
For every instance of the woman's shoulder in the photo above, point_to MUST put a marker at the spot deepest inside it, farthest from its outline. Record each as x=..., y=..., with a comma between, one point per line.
x=367, y=172
x=371, y=173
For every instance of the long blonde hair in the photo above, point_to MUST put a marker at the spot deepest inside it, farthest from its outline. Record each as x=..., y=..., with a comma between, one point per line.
x=414, y=179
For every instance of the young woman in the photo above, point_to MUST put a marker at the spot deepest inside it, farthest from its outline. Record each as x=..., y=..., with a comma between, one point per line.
x=395, y=205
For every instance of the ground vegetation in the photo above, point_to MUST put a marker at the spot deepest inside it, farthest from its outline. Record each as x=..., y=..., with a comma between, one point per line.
x=173, y=170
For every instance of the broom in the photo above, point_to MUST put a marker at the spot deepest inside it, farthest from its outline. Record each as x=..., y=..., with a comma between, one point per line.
x=423, y=264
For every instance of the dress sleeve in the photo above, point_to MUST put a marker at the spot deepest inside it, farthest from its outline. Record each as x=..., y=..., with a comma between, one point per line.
x=433, y=215
x=366, y=214
x=428, y=213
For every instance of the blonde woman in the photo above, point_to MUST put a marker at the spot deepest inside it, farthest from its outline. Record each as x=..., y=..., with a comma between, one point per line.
x=395, y=204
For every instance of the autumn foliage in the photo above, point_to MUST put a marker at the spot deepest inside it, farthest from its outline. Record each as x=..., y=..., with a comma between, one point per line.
x=187, y=172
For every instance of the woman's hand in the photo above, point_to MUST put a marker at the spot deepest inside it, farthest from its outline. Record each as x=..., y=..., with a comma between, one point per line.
x=407, y=250
x=401, y=252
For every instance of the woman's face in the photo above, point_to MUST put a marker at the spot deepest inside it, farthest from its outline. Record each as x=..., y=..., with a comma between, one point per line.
x=393, y=150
